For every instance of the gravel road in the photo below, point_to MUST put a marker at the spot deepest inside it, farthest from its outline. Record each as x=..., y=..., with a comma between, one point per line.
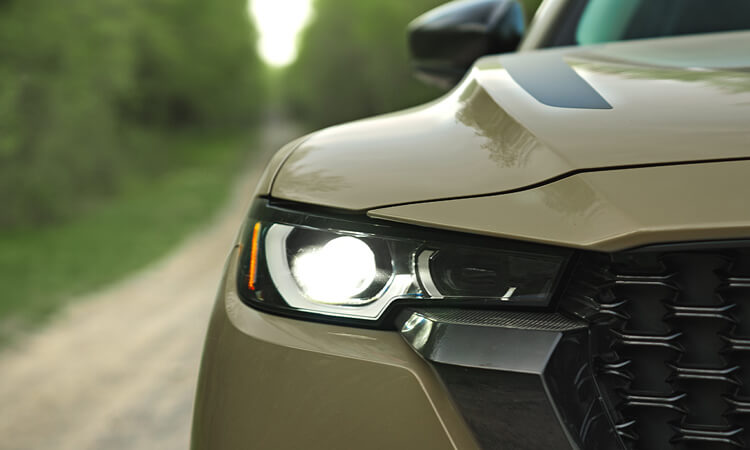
x=117, y=369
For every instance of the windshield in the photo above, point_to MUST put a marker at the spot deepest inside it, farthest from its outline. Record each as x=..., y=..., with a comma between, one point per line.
x=595, y=21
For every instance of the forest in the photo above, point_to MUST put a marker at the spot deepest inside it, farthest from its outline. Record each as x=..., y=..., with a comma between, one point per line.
x=124, y=124
x=354, y=61
x=91, y=89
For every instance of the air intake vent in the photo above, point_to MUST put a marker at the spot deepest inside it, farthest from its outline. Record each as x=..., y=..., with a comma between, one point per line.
x=670, y=334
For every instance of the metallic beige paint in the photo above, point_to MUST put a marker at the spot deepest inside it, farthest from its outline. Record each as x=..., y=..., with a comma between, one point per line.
x=491, y=136
x=528, y=171
x=271, y=382
x=273, y=166
x=608, y=211
x=456, y=146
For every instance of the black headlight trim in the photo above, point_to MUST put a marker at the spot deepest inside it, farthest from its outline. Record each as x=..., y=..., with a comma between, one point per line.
x=305, y=216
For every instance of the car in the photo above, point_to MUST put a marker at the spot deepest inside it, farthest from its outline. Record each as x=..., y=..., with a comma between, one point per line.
x=555, y=254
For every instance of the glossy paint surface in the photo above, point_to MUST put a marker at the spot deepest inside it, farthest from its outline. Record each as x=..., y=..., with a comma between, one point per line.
x=607, y=211
x=272, y=382
x=673, y=100
x=272, y=167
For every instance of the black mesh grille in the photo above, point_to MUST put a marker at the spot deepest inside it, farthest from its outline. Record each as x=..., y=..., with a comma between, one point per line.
x=504, y=319
x=670, y=344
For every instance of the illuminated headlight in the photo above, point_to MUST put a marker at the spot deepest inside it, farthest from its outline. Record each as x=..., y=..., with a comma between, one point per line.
x=316, y=266
x=337, y=272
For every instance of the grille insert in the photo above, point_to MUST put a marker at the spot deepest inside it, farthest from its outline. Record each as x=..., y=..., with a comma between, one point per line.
x=670, y=344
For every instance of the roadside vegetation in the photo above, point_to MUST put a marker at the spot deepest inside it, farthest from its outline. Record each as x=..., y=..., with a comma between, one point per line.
x=121, y=125
x=91, y=88
x=354, y=62
x=42, y=266
x=123, y=121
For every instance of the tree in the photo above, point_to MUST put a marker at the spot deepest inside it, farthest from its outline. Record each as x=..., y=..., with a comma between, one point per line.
x=353, y=61
x=80, y=78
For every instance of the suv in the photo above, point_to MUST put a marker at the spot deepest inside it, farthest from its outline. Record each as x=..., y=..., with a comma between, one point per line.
x=555, y=254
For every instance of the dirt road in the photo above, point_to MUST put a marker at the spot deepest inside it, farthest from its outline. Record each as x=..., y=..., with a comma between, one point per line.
x=117, y=370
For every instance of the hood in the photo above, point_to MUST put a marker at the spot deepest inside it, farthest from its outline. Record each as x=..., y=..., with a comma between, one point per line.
x=528, y=119
x=604, y=210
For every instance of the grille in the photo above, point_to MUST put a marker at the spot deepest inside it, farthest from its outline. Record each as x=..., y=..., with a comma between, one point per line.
x=504, y=319
x=670, y=344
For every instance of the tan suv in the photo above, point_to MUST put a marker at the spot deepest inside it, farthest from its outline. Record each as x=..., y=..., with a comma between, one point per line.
x=556, y=254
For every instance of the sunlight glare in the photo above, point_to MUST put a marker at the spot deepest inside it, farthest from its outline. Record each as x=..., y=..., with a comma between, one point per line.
x=279, y=22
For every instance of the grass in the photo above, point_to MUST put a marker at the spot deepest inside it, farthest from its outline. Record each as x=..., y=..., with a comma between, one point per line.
x=42, y=268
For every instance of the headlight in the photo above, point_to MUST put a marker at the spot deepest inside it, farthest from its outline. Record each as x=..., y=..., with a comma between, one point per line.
x=349, y=268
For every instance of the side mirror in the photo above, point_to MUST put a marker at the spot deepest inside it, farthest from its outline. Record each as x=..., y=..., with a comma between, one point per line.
x=445, y=41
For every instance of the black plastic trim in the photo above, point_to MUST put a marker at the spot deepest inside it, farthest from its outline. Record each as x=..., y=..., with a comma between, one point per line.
x=336, y=220
x=551, y=81
x=520, y=380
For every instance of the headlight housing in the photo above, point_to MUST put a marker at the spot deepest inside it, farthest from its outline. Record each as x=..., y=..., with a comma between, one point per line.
x=352, y=269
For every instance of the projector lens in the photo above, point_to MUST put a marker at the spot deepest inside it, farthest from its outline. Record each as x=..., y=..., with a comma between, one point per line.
x=313, y=266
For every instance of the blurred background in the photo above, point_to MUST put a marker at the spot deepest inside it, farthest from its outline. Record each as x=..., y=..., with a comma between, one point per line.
x=126, y=129
x=123, y=122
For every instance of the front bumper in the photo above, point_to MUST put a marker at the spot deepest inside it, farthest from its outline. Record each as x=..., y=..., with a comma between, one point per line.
x=271, y=382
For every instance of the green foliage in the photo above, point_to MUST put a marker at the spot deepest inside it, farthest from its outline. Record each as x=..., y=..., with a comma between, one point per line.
x=199, y=66
x=87, y=83
x=42, y=266
x=353, y=61
x=530, y=7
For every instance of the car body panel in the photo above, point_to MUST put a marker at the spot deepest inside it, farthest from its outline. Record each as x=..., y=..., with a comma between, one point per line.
x=653, y=147
x=490, y=135
x=271, y=382
x=605, y=210
x=274, y=164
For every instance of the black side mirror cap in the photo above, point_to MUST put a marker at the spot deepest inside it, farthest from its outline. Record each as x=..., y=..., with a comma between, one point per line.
x=445, y=42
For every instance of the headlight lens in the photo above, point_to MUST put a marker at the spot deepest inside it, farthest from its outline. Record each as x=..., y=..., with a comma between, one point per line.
x=337, y=272
x=342, y=269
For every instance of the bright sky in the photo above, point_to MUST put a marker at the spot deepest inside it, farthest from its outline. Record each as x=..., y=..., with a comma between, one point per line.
x=278, y=23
